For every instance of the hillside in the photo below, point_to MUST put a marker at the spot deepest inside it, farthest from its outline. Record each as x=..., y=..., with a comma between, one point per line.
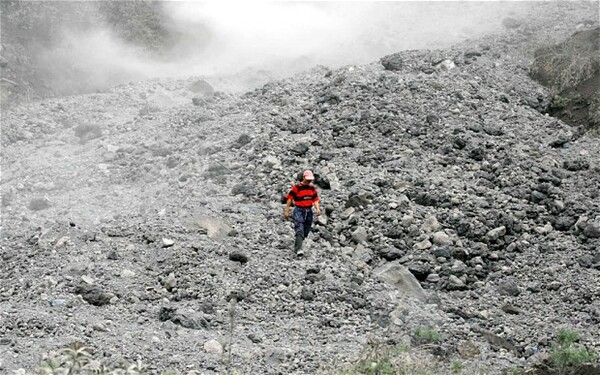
x=146, y=221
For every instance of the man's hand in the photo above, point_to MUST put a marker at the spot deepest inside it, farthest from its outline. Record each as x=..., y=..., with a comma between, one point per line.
x=318, y=211
x=286, y=213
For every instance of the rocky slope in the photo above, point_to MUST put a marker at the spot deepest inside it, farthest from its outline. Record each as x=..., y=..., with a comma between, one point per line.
x=146, y=220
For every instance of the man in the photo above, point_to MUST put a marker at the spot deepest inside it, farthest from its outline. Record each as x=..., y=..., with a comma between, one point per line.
x=304, y=195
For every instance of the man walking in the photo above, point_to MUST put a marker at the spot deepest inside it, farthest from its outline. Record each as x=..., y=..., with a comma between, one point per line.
x=304, y=195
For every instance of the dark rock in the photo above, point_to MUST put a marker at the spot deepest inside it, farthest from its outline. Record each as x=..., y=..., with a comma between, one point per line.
x=322, y=181
x=395, y=232
x=93, y=295
x=326, y=155
x=443, y=251
x=183, y=320
x=256, y=339
x=498, y=341
x=495, y=131
x=477, y=154
x=592, y=230
x=459, y=142
x=357, y=201
x=576, y=165
x=299, y=149
x=242, y=188
x=243, y=140
x=564, y=223
x=510, y=309
x=426, y=199
x=307, y=293
x=586, y=261
x=471, y=54
x=390, y=253
x=537, y=197
x=238, y=256
x=509, y=288
x=420, y=270
x=392, y=62
x=432, y=119
x=112, y=255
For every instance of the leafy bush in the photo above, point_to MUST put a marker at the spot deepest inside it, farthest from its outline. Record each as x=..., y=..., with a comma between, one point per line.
x=425, y=335
x=565, y=353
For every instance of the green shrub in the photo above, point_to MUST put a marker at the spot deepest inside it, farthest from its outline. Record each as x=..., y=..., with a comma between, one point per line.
x=566, y=353
x=426, y=335
x=457, y=367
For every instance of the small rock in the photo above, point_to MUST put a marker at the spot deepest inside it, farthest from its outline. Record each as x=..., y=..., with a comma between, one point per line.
x=592, y=230
x=554, y=285
x=425, y=244
x=509, y=288
x=441, y=239
x=442, y=251
x=392, y=62
x=127, y=273
x=359, y=235
x=88, y=280
x=213, y=347
x=167, y=242
x=496, y=233
x=510, y=309
x=170, y=282
x=347, y=213
x=433, y=278
x=307, y=293
x=255, y=338
x=430, y=225
x=238, y=256
x=112, y=255
x=94, y=295
x=299, y=149
x=58, y=302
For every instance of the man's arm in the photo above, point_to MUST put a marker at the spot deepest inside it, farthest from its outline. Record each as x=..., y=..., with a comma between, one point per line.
x=317, y=208
x=286, y=210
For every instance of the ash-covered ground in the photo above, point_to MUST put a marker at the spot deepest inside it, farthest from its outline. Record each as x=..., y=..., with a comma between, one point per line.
x=146, y=220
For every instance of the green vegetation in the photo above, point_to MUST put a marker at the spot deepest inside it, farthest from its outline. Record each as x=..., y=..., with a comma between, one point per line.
x=566, y=353
x=426, y=335
x=78, y=359
x=457, y=367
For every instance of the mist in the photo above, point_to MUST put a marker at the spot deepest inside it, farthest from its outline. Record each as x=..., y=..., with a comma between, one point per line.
x=225, y=38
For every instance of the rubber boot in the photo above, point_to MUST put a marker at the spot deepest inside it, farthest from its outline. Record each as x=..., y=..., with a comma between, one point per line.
x=298, y=244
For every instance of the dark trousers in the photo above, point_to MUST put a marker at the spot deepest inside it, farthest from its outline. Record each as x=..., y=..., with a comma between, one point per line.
x=303, y=218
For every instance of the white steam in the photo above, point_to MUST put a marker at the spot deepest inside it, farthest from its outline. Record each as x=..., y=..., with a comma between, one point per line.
x=219, y=38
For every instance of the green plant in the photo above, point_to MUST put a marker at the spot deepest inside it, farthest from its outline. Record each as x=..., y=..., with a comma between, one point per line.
x=566, y=353
x=457, y=367
x=376, y=360
x=426, y=335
